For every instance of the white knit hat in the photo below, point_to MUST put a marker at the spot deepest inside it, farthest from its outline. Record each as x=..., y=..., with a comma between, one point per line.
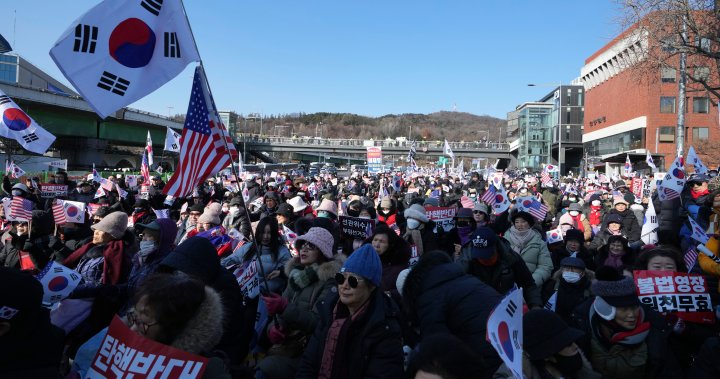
x=297, y=203
x=417, y=212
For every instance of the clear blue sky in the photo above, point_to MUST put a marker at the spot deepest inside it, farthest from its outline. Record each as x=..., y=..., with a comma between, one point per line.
x=368, y=57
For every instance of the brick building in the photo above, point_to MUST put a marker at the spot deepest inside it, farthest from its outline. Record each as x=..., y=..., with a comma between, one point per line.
x=631, y=112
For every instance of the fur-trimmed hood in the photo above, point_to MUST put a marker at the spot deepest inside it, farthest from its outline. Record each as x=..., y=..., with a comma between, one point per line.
x=326, y=270
x=203, y=332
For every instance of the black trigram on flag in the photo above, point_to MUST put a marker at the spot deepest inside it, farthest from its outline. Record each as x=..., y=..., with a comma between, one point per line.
x=30, y=137
x=511, y=308
x=4, y=99
x=172, y=45
x=85, y=38
x=113, y=83
x=152, y=6
x=174, y=146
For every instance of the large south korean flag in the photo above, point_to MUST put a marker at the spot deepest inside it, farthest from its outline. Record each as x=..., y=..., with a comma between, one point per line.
x=16, y=124
x=122, y=50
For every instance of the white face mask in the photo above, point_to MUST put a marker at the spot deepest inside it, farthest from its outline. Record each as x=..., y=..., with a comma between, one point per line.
x=571, y=277
x=574, y=213
x=413, y=223
x=596, y=203
x=234, y=208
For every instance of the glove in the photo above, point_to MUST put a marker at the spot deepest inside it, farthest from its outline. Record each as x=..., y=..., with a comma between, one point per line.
x=275, y=334
x=274, y=304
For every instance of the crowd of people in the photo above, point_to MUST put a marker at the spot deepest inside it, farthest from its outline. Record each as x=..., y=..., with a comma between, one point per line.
x=409, y=299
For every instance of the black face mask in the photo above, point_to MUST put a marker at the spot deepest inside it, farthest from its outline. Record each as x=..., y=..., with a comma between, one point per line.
x=568, y=366
x=353, y=212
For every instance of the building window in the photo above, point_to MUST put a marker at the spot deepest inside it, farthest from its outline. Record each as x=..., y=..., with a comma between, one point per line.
x=700, y=134
x=703, y=43
x=666, y=134
x=701, y=105
x=702, y=73
x=668, y=74
x=668, y=44
x=667, y=104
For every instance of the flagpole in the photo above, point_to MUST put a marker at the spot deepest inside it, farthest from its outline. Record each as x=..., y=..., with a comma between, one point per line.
x=222, y=131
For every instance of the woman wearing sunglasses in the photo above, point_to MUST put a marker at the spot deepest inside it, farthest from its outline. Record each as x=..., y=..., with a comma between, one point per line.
x=358, y=332
x=310, y=278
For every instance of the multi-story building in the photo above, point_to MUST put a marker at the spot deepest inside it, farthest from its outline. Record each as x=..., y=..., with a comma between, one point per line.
x=530, y=125
x=628, y=114
x=549, y=131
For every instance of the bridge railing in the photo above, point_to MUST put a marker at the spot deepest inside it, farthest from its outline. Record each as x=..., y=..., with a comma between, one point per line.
x=420, y=145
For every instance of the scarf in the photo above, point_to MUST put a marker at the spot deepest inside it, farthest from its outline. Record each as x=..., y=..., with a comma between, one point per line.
x=614, y=260
x=336, y=341
x=300, y=277
x=464, y=233
x=595, y=215
x=488, y=262
x=116, y=265
x=518, y=239
x=616, y=233
x=577, y=222
x=696, y=194
x=622, y=336
x=413, y=236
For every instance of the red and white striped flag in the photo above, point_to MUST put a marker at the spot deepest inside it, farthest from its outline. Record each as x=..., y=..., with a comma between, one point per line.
x=206, y=147
x=21, y=209
x=92, y=208
x=58, y=212
x=545, y=178
x=145, y=168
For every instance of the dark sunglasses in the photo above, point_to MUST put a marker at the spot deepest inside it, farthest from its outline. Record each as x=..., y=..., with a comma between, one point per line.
x=352, y=280
x=478, y=212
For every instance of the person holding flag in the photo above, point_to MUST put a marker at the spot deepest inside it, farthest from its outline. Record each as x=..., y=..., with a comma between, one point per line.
x=694, y=197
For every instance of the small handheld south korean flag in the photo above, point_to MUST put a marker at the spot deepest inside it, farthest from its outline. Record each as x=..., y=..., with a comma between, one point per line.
x=554, y=236
x=58, y=282
x=17, y=125
x=122, y=50
x=505, y=331
x=693, y=159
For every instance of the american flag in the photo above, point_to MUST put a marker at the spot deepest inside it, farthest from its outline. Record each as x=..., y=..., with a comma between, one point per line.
x=531, y=205
x=148, y=148
x=145, y=168
x=206, y=148
x=545, y=178
x=91, y=207
x=489, y=195
x=59, y=212
x=690, y=258
x=21, y=209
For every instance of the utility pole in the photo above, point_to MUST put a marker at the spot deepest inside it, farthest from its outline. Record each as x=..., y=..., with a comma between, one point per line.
x=681, y=91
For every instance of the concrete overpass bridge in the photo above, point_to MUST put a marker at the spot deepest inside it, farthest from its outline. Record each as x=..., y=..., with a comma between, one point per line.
x=83, y=138
x=355, y=149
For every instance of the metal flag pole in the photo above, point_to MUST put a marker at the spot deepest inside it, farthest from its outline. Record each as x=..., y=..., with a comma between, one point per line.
x=251, y=238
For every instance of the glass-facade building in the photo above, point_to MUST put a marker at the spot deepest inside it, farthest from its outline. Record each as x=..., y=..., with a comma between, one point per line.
x=534, y=126
x=9, y=68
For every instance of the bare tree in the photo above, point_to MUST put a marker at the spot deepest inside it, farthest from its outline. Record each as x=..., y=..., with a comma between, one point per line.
x=657, y=37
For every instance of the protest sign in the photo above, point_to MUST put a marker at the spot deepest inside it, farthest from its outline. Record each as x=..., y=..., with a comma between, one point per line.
x=58, y=282
x=504, y=331
x=637, y=187
x=679, y=292
x=126, y=354
x=356, y=227
x=49, y=190
x=443, y=217
x=248, y=277
x=131, y=181
x=374, y=159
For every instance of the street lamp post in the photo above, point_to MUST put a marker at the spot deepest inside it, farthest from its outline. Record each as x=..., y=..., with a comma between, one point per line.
x=561, y=152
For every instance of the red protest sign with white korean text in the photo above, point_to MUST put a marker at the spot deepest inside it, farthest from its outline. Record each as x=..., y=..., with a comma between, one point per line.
x=678, y=292
x=126, y=354
x=443, y=217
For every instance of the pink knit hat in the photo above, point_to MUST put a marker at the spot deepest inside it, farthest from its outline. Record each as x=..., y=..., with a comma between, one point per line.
x=319, y=237
x=328, y=206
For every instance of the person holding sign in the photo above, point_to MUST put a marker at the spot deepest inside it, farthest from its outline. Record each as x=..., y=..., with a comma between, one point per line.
x=310, y=279
x=624, y=339
x=191, y=322
x=358, y=332
x=549, y=349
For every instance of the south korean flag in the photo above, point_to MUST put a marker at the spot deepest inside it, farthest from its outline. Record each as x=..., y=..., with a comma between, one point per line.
x=172, y=141
x=16, y=124
x=122, y=50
